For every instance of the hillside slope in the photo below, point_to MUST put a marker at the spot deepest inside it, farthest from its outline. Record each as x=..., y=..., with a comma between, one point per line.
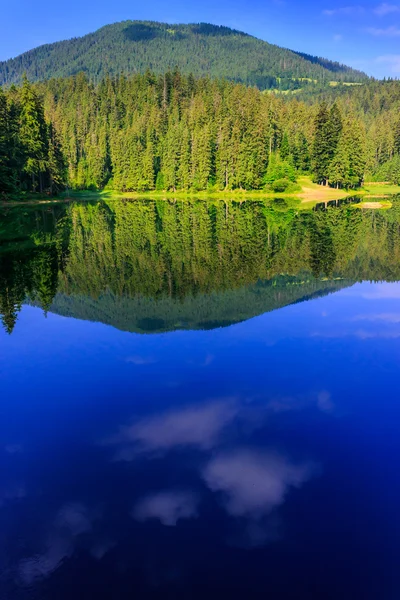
x=201, y=49
x=204, y=311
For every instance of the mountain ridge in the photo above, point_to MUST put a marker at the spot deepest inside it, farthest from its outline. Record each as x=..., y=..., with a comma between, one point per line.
x=198, y=48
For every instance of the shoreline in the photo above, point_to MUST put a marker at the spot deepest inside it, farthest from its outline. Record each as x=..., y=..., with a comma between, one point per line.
x=309, y=193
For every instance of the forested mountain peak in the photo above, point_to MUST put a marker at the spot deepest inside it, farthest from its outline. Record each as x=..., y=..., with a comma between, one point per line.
x=198, y=48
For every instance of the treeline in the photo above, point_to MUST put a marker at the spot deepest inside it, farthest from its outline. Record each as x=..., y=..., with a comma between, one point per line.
x=158, y=250
x=173, y=132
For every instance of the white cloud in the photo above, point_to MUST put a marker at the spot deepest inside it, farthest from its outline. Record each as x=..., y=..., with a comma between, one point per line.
x=254, y=483
x=168, y=507
x=393, y=62
x=141, y=360
x=387, y=290
x=371, y=335
x=12, y=492
x=43, y=565
x=344, y=10
x=360, y=334
x=74, y=518
x=13, y=448
x=381, y=10
x=386, y=9
x=198, y=426
x=294, y=403
x=391, y=31
x=71, y=521
x=385, y=317
x=325, y=403
x=100, y=549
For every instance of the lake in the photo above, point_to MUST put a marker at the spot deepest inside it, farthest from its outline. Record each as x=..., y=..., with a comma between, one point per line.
x=199, y=400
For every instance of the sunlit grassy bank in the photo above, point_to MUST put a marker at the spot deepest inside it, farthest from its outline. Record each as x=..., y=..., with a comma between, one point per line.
x=308, y=193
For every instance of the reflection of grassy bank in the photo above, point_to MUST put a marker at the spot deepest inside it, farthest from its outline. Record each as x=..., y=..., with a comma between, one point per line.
x=374, y=204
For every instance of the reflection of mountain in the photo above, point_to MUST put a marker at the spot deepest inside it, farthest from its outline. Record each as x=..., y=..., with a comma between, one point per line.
x=150, y=266
x=217, y=309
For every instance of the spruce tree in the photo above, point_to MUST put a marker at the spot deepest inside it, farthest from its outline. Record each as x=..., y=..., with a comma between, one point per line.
x=285, y=148
x=33, y=134
x=339, y=170
x=5, y=174
x=321, y=150
x=396, y=134
x=335, y=127
x=55, y=162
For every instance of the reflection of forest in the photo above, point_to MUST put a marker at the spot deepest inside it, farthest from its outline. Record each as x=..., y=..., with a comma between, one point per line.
x=160, y=265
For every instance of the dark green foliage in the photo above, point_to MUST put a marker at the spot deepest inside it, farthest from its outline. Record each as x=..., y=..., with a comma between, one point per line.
x=339, y=148
x=390, y=171
x=33, y=133
x=301, y=153
x=397, y=137
x=201, y=49
x=285, y=148
x=334, y=67
x=31, y=158
x=281, y=185
x=321, y=150
x=56, y=166
x=5, y=172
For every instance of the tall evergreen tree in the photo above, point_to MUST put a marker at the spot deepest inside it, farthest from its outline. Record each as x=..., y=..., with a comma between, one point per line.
x=321, y=151
x=5, y=174
x=55, y=163
x=33, y=134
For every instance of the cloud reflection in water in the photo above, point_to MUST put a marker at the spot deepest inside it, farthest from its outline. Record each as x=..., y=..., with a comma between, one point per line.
x=197, y=426
x=253, y=483
x=169, y=507
x=71, y=521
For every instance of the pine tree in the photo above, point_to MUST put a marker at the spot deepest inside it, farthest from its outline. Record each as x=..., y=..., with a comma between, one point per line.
x=354, y=136
x=55, y=162
x=321, y=151
x=285, y=147
x=335, y=127
x=397, y=137
x=33, y=133
x=147, y=182
x=303, y=162
x=339, y=170
x=5, y=174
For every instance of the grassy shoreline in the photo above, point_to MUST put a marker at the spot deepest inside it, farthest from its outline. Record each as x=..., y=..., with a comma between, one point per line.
x=310, y=193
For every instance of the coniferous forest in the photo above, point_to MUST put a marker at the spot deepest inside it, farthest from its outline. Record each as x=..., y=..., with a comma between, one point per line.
x=175, y=132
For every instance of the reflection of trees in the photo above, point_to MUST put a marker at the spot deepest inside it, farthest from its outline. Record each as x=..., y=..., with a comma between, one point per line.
x=12, y=292
x=322, y=251
x=181, y=250
x=28, y=273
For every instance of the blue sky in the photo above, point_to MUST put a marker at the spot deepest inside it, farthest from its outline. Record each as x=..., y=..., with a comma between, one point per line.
x=365, y=35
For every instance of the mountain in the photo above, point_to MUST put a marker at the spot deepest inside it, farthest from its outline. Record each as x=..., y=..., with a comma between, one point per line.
x=140, y=314
x=201, y=49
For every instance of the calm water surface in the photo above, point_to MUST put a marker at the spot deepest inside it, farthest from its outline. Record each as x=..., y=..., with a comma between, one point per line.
x=199, y=400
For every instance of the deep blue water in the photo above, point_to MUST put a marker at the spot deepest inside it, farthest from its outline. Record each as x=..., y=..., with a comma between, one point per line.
x=255, y=460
